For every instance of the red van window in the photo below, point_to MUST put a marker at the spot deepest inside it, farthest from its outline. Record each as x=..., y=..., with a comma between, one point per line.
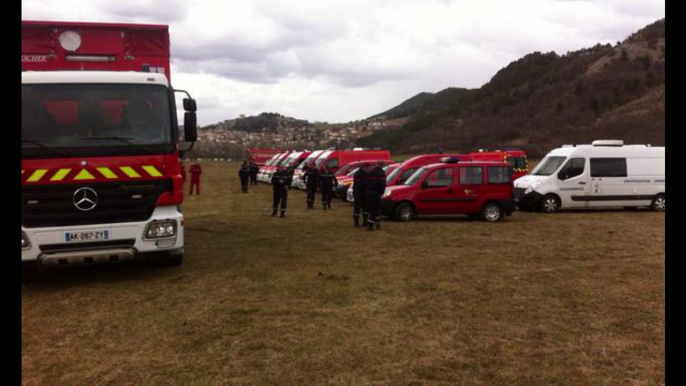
x=440, y=178
x=499, y=175
x=471, y=175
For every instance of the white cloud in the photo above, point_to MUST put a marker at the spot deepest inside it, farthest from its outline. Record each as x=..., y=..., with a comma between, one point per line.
x=342, y=60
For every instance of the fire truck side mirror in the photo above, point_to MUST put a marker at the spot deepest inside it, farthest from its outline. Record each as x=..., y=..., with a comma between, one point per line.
x=189, y=105
x=190, y=126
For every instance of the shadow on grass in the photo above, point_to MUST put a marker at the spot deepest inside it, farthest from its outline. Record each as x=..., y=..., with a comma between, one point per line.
x=58, y=278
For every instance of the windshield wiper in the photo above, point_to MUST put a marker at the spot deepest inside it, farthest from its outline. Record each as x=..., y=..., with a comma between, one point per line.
x=40, y=144
x=126, y=140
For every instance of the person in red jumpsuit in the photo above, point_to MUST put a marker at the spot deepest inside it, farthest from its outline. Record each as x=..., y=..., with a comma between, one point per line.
x=196, y=171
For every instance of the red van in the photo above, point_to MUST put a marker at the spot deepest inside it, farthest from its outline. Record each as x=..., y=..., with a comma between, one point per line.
x=335, y=159
x=344, y=175
x=407, y=168
x=475, y=188
x=516, y=159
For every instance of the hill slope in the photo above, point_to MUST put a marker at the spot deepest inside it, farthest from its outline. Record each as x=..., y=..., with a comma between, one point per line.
x=544, y=100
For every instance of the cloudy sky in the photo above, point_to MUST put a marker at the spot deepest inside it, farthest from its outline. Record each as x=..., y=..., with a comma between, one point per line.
x=343, y=60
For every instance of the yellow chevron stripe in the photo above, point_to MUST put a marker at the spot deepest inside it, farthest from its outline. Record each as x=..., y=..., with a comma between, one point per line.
x=37, y=175
x=152, y=171
x=60, y=174
x=107, y=172
x=84, y=175
x=129, y=171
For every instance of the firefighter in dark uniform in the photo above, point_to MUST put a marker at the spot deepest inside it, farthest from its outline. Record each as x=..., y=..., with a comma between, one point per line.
x=375, y=186
x=281, y=183
x=254, y=169
x=328, y=183
x=311, y=178
x=359, y=194
x=244, y=174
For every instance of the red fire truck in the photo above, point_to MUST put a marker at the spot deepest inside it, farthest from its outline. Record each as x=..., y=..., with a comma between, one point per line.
x=100, y=174
x=261, y=156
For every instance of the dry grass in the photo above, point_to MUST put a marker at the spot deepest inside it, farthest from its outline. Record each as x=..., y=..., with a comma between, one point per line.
x=566, y=299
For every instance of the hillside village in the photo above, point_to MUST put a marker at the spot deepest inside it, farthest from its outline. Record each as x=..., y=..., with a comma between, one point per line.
x=229, y=139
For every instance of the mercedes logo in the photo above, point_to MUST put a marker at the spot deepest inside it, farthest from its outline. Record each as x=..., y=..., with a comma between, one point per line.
x=85, y=199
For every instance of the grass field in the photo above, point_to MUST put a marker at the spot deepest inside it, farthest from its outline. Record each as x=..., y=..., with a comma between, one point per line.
x=575, y=298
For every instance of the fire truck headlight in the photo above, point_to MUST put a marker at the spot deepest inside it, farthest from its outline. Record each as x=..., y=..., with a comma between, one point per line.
x=25, y=243
x=160, y=230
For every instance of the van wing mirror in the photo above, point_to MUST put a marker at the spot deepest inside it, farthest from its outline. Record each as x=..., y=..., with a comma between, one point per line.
x=562, y=175
x=425, y=184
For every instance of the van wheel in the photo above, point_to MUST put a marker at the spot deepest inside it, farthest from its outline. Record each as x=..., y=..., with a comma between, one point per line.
x=404, y=212
x=658, y=203
x=550, y=204
x=491, y=212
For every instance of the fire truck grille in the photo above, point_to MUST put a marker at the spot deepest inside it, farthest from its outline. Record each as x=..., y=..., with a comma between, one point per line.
x=116, y=202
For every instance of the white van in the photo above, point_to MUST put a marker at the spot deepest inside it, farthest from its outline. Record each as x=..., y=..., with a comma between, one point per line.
x=606, y=173
x=298, y=173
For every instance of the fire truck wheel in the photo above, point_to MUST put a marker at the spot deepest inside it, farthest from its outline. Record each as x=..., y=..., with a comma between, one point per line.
x=491, y=212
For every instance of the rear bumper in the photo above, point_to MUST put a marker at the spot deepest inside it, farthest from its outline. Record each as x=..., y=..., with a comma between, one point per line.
x=125, y=242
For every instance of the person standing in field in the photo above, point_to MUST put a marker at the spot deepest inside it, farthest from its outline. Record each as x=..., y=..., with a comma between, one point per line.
x=244, y=174
x=328, y=183
x=359, y=194
x=195, y=171
x=375, y=186
x=311, y=178
x=281, y=183
x=254, y=169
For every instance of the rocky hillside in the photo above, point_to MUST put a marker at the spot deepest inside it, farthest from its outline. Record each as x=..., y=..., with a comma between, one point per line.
x=544, y=100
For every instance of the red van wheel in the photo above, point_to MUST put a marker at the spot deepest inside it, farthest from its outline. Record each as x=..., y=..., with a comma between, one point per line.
x=491, y=212
x=404, y=212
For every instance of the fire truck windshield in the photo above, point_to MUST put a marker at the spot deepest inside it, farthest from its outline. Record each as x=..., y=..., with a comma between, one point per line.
x=95, y=120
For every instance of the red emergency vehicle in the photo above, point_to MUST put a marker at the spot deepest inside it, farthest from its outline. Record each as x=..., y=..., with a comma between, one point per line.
x=476, y=188
x=335, y=159
x=516, y=159
x=261, y=156
x=101, y=178
x=407, y=168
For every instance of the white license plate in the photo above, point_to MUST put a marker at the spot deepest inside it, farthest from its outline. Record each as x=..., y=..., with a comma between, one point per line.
x=82, y=236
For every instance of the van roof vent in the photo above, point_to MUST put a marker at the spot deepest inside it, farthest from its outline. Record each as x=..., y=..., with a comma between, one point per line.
x=608, y=142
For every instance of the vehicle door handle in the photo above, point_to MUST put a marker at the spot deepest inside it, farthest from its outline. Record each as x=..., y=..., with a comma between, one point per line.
x=582, y=183
x=449, y=191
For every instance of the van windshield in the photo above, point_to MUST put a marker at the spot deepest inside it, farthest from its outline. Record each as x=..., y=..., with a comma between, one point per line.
x=393, y=174
x=416, y=176
x=548, y=166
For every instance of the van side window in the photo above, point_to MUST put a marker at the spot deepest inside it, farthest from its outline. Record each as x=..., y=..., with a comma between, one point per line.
x=471, y=175
x=574, y=167
x=440, y=178
x=332, y=163
x=608, y=167
x=499, y=175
